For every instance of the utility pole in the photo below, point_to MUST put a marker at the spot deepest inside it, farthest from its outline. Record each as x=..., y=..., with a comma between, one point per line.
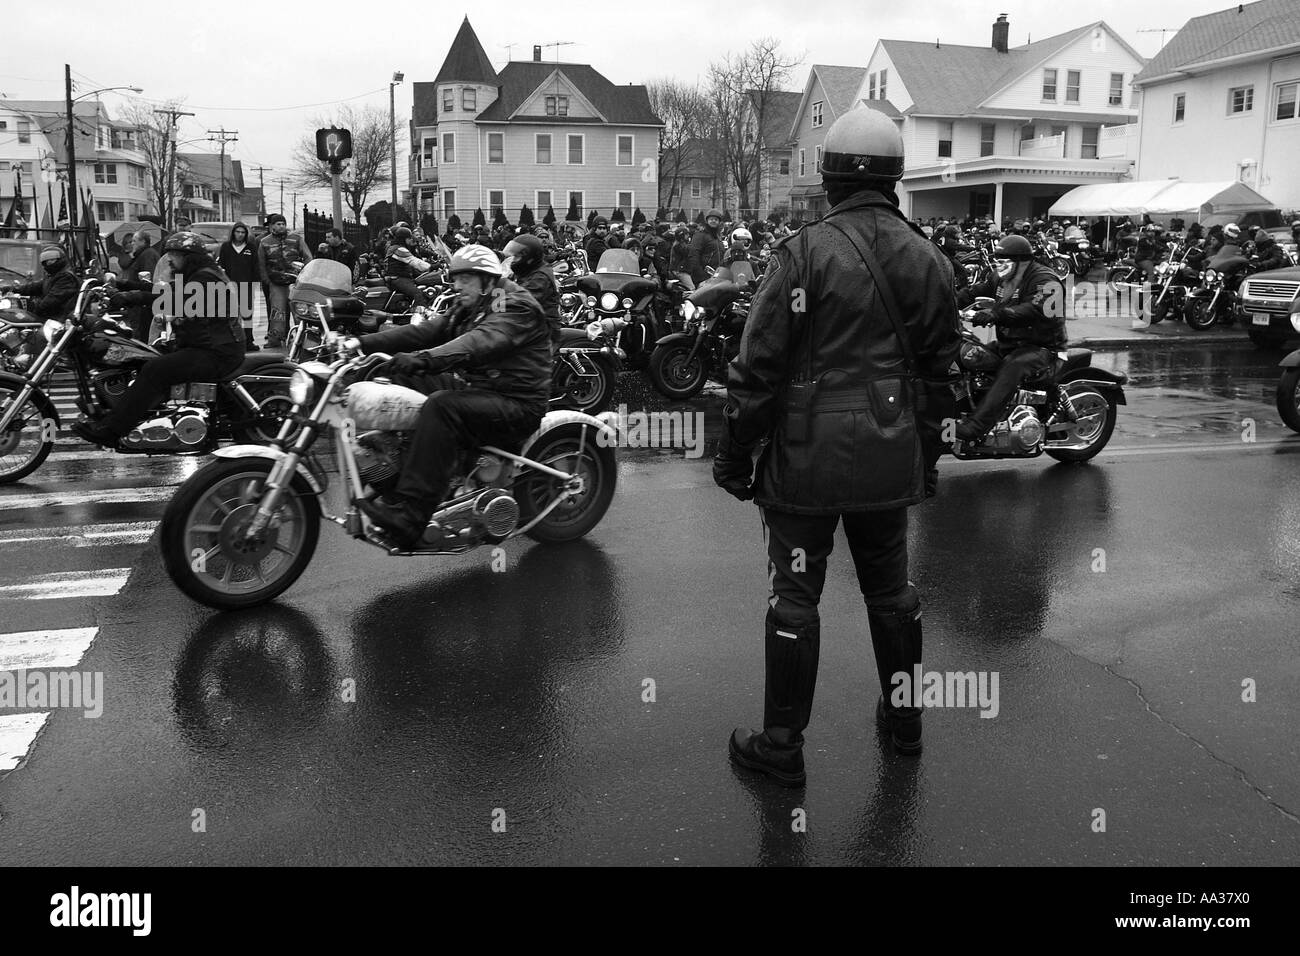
x=281, y=181
x=223, y=136
x=262, y=185
x=71, y=149
x=295, y=211
x=168, y=214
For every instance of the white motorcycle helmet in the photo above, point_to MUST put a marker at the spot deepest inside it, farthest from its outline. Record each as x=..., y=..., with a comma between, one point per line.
x=742, y=235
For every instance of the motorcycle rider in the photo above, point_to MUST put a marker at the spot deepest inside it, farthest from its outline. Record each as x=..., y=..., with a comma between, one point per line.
x=525, y=262
x=835, y=333
x=706, y=249
x=52, y=296
x=500, y=341
x=1268, y=254
x=679, y=256
x=951, y=245
x=206, y=348
x=1030, y=320
x=738, y=247
x=596, y=245
x=1150, y=249
x=280, y=255
x=401, y=266
x=1228, y=258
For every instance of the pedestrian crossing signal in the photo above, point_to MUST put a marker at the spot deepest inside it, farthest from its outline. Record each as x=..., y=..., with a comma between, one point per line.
x=333, y=145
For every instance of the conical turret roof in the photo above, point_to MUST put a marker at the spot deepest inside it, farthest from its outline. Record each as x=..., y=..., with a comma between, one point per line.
x=466, y=62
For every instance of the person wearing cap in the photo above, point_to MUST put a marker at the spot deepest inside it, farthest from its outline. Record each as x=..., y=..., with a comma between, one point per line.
x=498, y=341
x=53, y=294
x=950, y=244
x=597, y=244
x=280, y=257
x=819, y=382
x=1029, y=313
x=706, y=248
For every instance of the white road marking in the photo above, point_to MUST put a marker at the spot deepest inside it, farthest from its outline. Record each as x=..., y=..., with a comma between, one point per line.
x=67, y=584
x=84, y=536
x=64, y=499
x=17, y=731
x=29, y=650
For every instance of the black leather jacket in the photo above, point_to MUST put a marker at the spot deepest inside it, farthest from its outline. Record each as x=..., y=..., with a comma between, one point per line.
x=53, y=296
x=1033, y=314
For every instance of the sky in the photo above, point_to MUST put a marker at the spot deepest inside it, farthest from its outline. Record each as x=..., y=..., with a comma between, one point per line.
x=283, y=65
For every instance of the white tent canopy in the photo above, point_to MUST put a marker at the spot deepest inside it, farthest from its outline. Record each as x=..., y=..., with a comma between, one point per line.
x=1159, y=197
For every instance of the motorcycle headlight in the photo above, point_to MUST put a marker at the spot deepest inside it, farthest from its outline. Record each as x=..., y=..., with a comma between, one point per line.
x=688, y=310
x=609, y=301
x=1084, y=244
x=301, y=387
x=51, y=329
x=1210, y=275
x=591, y=301
x=302, y=309
x=627, y=303
x=6, y=304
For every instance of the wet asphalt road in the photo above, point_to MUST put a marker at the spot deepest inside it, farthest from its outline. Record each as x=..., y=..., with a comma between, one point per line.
x=519, y=695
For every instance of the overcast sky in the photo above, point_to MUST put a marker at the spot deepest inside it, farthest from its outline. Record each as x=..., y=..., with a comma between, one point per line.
x=270, y=73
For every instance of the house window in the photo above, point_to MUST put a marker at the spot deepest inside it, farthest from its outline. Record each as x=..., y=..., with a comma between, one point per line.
x=109, y=210
x=24, y=131
x=1180, y=107
x=871, y=87
x=448, y=100
x=784, y=167
x=695, y=189
x=1286, y=102
x=428, y=148
x=1116, y=97
x=1089, y=149
x=884, y=76
x=448, y=202
x=1072, y=86
x=496, y=148
x=987, y=131
x=106, y=174
x=625, y=151
x=135, y=176
x=557, y=106
x=945, y=140
x=575, y=200
x=448, y=148
x=1241, y=99
x=468, y=98
x=575, y=149
x=817, y=158
x=544, y=202
x=543, y=149
x=626, y=201
x=802, y=165
x=817, y=114
x=496, y=202
x=1049, y=86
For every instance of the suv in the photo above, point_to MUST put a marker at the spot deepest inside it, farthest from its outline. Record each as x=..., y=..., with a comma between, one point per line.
x=1270, y=306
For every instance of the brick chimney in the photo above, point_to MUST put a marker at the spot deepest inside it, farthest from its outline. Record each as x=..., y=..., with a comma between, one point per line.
x=1000, y=30
x=537, y=54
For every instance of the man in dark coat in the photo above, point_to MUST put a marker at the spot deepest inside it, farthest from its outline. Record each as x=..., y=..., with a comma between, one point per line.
x=52, y=296
x=706, y=248
x=821, y=377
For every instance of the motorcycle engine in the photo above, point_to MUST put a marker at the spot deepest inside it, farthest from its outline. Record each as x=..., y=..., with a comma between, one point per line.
x=379, y=458
x=182, y=429
x=488, y=515
x=1020, y=434
x=109, y=387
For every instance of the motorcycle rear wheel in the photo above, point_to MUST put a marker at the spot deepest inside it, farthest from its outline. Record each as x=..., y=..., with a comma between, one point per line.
x=568, y=449
x=273, y=406
x=205, y=555
x=590, y=395
x=29, y=439
x=1288, y=398
x=674, y=375
x=1099, y=413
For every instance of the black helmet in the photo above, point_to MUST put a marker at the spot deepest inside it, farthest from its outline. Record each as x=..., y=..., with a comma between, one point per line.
x=1014, y=247
x=1264, y=241
x=401, y=234
x=184, y=242
x=713, y=214
x=863, y=144
x=527, y=252
x=599, y=221
x=402, y=225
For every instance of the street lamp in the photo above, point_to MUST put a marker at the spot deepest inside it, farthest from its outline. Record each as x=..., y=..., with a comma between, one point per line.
x=392, y=123
x=71, y=142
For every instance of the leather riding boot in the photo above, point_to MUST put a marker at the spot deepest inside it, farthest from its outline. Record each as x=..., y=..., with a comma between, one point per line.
x=896, y=640
x=790, y=659
x=402, y=521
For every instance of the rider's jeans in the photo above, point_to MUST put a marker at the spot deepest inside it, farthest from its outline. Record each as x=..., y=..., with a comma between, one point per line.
x=1018, y=363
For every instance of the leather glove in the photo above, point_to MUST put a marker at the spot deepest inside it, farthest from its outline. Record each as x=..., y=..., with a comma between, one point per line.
x=984, y=317
x=733, y=469
x=409, y=363
x=117, y=301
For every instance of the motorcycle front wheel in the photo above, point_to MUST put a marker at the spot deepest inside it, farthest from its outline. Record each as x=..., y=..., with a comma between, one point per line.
x=675, y=374
x=203, y=546
x=1117, y=276
x=1061, y=266
x=273, y=406
x=1197, y=315
x=29, y=439
x=1095, y=423
x=1288, y=398
x=571, y=449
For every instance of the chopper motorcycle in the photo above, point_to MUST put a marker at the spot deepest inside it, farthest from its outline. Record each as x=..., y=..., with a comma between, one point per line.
x=247, y=405
x=244, y=527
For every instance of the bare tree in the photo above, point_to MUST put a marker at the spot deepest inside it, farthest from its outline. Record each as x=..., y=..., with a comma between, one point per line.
x=369, y=167
x=687, y=117
x=153, y=136
x=740, y=93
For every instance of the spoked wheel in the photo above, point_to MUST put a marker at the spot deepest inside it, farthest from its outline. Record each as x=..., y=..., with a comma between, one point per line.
x=573, y=450
x=586, y=393
x=29, y=438
x=273, y=407
x=204, y=545
x=1288, y=398
x=1084, y=438
x=675, y=374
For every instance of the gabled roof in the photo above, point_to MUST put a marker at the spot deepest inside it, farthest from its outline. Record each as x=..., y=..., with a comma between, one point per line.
x=50, y=115
x=206, y=168
x=466, y=62
x=952, y=80
x=519, y=79
x=840, y=85
x=1240, y=30
x=778, y=116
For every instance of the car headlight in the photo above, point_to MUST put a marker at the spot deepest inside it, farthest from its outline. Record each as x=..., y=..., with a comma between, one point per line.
x=1295, y=321
x=609, y=301
x=301, y=387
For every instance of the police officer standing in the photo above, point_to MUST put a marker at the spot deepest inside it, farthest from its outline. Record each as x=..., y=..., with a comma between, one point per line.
x=821, y=376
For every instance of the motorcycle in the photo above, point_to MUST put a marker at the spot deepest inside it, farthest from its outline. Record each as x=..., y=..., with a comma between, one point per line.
x=20, y=335
x=1210, y=302
x=1068, y=412
x=587, y=365
x=1076, y=251
x=617, y=289
x=1174, y=279
x=247, y=405
x=243, y=528
x=714, y=316
x=320, y=302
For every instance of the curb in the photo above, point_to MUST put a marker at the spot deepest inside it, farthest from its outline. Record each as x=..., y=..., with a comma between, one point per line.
x=1156, y=341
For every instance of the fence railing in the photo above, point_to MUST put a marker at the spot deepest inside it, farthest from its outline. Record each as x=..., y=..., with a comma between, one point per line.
x=316, y=225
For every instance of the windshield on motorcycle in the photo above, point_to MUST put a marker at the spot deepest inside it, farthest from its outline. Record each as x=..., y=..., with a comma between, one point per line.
x=325, y=276
x=619, y=260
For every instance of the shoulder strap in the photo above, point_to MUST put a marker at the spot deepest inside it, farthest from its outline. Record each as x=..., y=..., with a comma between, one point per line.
x=883, y=290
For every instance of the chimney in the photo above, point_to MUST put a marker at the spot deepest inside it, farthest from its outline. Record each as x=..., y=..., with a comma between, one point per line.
x=1000, y=30
x=537, y=54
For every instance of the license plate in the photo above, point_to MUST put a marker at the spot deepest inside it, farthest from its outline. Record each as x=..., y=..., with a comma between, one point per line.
x=1260, y=318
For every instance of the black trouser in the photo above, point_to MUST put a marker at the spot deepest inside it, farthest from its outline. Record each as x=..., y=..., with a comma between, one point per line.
x=798, y=547
x=156, y=377
x=452, y=421
x=1018, y=362
x=408, y=288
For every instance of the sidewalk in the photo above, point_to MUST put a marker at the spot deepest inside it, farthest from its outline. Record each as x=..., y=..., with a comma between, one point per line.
x=1130, y=331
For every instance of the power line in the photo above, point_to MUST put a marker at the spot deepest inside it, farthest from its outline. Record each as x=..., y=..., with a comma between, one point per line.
x=271, y=109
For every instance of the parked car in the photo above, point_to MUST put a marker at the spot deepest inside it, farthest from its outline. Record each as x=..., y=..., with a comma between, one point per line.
x=1270, y=306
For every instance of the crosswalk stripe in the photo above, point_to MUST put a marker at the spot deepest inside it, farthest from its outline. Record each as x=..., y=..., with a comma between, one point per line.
x=17, y=731
x=67, y=584
x=84, y=536
x=107, y=496
x=29, y=650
